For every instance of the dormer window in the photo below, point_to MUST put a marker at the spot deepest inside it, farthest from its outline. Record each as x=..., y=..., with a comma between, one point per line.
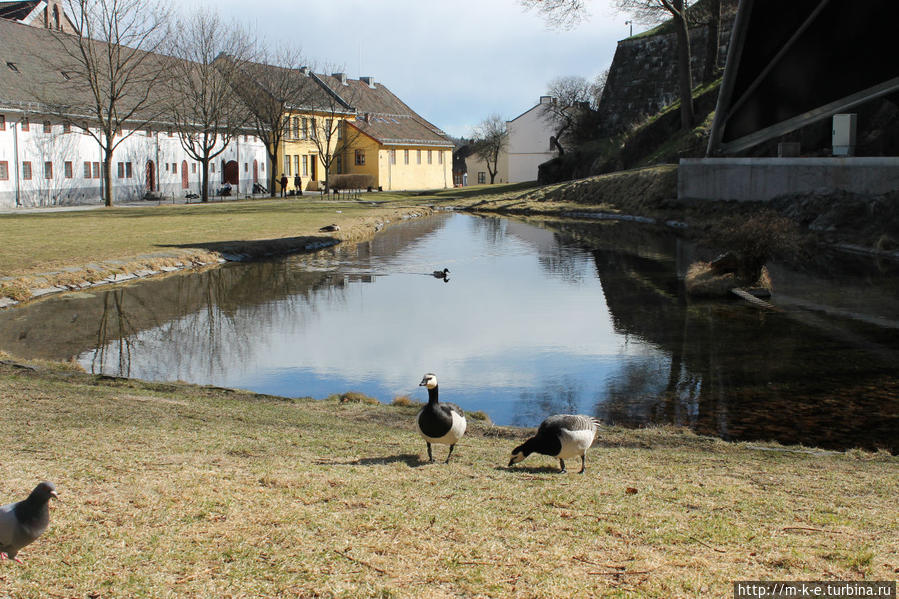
x=12, y=67
x=65, y=75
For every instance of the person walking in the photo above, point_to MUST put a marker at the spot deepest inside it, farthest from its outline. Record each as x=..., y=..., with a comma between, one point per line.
x=283, y=185
x=298, y=184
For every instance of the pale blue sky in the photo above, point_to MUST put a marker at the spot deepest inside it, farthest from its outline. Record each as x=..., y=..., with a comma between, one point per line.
x=453, y=61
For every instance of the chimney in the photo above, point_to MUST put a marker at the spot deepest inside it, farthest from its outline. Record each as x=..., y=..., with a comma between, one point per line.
x=341, y=77
x=304, y=71
x=547, y=100
x=369, y=81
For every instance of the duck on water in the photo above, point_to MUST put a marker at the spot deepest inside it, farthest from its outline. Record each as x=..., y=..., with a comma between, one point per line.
x=437, y=422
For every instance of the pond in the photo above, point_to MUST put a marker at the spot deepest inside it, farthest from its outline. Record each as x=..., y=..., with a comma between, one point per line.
x=533, y=319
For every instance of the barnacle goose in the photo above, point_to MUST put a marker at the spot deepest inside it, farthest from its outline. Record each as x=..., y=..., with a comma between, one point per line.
x=560, y=436
x=439, y=422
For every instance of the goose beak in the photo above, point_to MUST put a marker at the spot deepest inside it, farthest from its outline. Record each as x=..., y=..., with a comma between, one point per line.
x=56, y=495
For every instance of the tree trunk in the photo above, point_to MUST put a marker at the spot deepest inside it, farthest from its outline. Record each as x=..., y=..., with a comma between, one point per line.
x=204, y=181
x=712, y=44
x=107, y=177
x=685, y=76
x=273, y=175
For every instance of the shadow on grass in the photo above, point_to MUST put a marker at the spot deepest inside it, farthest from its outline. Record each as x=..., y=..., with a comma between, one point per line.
x=410, y=459
x=531, y=469
x=258, y=247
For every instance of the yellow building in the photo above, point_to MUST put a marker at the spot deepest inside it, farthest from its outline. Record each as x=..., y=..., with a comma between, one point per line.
x=389, y=141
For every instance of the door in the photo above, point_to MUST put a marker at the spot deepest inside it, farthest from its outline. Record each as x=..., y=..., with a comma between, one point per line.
x=255, y=171
x=232, y=173
x=185, y=176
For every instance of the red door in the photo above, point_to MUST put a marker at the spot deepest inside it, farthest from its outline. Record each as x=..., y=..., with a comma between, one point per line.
x=232, y=173
x=185, y=176
x=255, y=171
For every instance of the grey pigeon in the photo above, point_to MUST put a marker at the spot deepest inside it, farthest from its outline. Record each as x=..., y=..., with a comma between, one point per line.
x=21, y=523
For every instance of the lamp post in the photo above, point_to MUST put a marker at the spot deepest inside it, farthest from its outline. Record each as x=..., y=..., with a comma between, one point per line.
x=631, y=23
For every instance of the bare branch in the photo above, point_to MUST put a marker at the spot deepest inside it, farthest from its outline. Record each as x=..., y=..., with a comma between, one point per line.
x=558, y=14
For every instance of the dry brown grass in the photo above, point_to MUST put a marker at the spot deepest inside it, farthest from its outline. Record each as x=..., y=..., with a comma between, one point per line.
x=183, y=491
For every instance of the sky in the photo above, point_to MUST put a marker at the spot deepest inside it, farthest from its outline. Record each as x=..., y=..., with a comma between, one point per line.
x=455, y=62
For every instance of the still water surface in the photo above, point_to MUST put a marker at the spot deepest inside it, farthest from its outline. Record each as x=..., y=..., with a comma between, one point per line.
x=533, y=320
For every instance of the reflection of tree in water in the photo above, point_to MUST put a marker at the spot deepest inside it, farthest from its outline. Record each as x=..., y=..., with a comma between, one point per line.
x=492, y=229
x=205, y=320
x=559, y=396
x=733, y=371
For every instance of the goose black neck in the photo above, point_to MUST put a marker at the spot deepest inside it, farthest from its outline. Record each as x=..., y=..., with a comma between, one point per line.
x=432, y=394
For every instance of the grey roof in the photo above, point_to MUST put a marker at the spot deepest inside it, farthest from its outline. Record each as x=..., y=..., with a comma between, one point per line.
x=384, y=117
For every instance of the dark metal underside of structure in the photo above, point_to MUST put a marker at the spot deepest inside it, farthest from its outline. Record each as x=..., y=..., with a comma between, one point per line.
x=792, y=63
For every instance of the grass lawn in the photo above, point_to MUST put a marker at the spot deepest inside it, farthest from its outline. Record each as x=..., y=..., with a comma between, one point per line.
x=182, y=491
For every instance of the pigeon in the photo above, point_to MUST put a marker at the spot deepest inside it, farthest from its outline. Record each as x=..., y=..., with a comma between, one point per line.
x=21, y=523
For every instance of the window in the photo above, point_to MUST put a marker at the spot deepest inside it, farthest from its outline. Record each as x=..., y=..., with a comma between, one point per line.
x=439, y=157
x=48, y=170
x=429, y=156
x=2, y=122
x=296, y=164
x=66, y=127
x=4, y=170
x=193, y=167
x=175, y=167
x=87, y=170
x=360, y=157
x=26, y=125
x=405, y=156
x=417, y=156
x=314, y=128
x=48, y=128
x=340, y=127
x=96, y=170
x=84, y=129
x=67, y=169
x=305, y=166
x=166, y=167
x=305, y=132
x=339, y=159
x=482, y=177
x=171, y=134
x=246, y=166
x=212, y=167
x=329, y=131
x=392, y=154
x=26, y=170
x=121, y=170
x=128, y=171
x=286, y=168
x=296, y=127
x=148, y=133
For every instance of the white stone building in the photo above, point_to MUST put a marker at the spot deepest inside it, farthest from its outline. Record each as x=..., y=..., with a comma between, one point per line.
x=47, y=159
x=528, y=147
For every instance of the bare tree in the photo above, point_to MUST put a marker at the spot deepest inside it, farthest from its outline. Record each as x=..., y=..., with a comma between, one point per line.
x=112, y=70
x=490, y=139
x=562, y=14
x=571, y=95
x=653, y=11
x=204, y=106
x=271, y=93
x=330, y=135
x=565, y=13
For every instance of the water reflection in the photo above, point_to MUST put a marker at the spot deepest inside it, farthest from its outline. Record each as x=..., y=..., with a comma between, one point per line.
x=534, y=320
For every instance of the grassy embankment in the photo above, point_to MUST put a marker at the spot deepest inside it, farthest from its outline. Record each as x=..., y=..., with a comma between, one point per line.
x=182, y=491
x=43, y=249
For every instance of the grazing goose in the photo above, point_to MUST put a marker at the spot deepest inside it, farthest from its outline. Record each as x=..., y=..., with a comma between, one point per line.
x=329, y=228
x=441, y=274
x=21, y=523
x=560, y=436
x=439, y=422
